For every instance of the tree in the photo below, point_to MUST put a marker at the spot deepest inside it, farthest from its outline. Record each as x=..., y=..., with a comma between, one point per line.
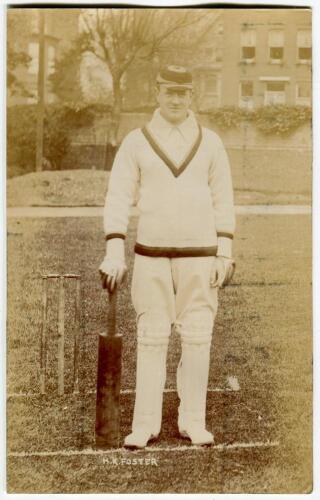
x=65, y=80
x=118, y=37
x=16, y=58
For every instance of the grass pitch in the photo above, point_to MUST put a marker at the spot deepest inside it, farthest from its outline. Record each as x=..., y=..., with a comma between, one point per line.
x=262, y=337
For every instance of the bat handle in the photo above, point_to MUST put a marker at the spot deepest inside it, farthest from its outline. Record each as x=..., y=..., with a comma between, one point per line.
x=112, y=310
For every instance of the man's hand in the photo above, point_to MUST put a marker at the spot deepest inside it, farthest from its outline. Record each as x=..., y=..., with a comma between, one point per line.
x=222, y=271
x=112, y=272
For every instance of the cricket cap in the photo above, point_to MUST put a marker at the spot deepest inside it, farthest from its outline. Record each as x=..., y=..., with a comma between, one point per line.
x=175, y=77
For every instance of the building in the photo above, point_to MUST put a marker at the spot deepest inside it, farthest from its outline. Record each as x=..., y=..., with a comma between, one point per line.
x=266, y=57
x=61, y=28
x=250, y=57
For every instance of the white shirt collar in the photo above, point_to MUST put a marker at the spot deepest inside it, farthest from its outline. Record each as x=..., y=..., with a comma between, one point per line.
x=162, y=128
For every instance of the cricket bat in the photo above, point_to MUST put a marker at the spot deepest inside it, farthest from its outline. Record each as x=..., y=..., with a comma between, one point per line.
x=108, y=381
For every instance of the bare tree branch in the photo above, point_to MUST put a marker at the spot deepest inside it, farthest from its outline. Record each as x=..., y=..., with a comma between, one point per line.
x=182, y=24
x=115, y=31
x=118, y=37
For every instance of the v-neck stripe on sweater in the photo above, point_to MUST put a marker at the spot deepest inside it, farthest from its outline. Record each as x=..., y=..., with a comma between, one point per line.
x=176, y=170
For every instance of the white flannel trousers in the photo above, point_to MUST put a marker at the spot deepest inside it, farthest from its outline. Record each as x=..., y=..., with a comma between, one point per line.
x=172, y=292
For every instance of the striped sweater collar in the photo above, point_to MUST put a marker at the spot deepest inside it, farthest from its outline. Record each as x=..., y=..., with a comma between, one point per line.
x=176, y=170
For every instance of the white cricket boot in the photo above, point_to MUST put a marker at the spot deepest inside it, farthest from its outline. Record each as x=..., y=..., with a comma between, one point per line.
x=150, y=382
x=192, y=383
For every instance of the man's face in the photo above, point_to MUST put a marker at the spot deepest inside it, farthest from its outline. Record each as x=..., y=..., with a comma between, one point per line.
x=174, y=102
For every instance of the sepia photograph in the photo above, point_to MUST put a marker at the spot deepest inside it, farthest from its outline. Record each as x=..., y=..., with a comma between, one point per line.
x=159, y=334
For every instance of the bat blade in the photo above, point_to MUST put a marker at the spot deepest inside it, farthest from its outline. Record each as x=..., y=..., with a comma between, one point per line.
x=108, y=381
x=107, y=427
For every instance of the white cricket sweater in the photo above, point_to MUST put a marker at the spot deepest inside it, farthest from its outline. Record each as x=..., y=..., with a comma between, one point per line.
x=180, y=176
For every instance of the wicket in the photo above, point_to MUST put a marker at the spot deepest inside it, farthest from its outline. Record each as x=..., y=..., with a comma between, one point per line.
x=61, y=332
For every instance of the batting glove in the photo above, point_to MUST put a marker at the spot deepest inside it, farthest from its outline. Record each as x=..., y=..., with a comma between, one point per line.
x=222, y=271
x=113, y=269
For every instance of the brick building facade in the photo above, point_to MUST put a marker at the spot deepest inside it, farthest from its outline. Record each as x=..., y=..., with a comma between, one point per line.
x=266, y=57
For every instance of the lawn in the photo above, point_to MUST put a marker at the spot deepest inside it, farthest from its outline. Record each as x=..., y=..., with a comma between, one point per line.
x=262, y=337
x=286, y=183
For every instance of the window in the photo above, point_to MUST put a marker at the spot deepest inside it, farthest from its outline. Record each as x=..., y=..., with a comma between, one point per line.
x=305, y=53
x=303, y=93
x=248, y=45
x=304, y=46
x=275, y=93
x=248, y=52
x=33, y=52
x=51, y=59
x=246, y=94
x=276, y=44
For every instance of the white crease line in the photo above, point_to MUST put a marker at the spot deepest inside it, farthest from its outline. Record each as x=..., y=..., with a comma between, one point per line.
x=98, y=211
x=215, y=389
x=91, y=451
x=124, y=391
x=273, y=209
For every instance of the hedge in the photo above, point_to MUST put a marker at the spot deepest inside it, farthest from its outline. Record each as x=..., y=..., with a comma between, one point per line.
x=22, y=133
x=60, y=119
x=276, y=119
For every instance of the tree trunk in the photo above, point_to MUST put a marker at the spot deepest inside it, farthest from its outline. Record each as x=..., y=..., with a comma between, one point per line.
x=112, y=136
x=116, y=112
x=41, y=90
